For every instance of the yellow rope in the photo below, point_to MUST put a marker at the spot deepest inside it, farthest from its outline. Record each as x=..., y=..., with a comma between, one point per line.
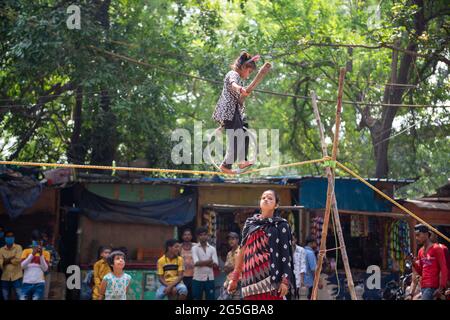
x=287, y=165
x=82, y=166
x=391, y=200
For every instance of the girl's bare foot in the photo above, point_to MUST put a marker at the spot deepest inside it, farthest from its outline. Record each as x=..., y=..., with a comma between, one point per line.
x=245, y=164
x=226, y=170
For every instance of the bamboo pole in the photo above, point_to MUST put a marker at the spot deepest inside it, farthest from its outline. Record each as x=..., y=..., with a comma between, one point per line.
x=330, y=177
x=330, y=190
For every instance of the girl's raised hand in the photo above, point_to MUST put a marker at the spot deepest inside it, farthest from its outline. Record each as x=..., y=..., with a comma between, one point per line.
x=244, y=92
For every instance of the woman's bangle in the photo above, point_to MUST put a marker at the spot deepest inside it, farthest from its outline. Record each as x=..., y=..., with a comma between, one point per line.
x=235, y=276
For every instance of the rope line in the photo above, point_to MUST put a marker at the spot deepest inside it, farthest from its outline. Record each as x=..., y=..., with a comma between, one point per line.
x=287, y=165
x=161, y=170
x=340, y=165
x=122, y=57
x=289, y=95
x=398, y=205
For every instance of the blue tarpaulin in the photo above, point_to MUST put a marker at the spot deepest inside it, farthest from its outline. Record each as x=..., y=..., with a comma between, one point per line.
x=177, y=212
x=350, y=195
x=18, y=194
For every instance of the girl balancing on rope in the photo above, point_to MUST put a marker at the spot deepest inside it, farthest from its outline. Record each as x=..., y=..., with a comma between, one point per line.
x=230, y=112
x=264, y=263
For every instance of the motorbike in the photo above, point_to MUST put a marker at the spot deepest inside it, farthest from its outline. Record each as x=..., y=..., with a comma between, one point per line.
x=396, y=290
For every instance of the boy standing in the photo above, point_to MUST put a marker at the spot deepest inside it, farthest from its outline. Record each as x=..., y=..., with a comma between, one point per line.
x=101, y=269
x=205, y=259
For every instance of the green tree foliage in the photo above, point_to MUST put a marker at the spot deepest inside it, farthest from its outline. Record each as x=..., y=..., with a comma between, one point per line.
x=68, y=96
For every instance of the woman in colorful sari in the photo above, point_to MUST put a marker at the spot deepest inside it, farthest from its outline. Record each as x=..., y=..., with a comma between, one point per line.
x=264, y=264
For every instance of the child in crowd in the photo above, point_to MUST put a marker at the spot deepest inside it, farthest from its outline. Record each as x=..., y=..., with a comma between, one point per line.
x=115, y=284
x=101, y=269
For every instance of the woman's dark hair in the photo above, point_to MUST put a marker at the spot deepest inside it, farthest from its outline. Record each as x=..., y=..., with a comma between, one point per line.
x=101, y=249
x=201, y=230
x=170, y=243
x=243, y=62
x=113, y=255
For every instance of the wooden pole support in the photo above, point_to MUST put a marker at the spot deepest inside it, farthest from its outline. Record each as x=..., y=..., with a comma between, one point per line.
x=330, y=189
x=330, y=176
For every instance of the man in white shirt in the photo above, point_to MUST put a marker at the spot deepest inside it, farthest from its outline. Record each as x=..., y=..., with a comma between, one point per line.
x=299, y=264
x=205, y=259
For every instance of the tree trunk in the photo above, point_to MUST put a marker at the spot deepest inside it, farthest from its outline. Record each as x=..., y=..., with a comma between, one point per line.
x=104, y=139
x=394, y=95
x=75, y=152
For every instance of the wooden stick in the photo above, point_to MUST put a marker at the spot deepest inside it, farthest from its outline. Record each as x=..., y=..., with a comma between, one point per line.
x=330, y=189
x=330, y=176
x=258, y=78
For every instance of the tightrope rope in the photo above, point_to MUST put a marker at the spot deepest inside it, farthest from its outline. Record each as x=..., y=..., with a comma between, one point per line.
x=114, y=168
x=398, y=205
x=287, y=165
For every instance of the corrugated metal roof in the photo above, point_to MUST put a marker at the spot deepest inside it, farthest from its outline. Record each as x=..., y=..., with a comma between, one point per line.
x=281, y=180
x=431, y=205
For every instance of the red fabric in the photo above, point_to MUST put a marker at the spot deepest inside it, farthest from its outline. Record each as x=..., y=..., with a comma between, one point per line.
x=256, y=262
x=447, y=259
x=432, y=266
x=263, y=296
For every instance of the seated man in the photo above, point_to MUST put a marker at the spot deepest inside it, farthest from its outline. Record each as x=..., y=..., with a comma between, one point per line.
x=170, y=271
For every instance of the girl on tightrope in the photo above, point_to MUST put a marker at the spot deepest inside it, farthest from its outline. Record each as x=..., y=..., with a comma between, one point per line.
x=229, y=112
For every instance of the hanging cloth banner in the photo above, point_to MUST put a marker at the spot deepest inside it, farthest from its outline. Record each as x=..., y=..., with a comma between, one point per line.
x=176, y=212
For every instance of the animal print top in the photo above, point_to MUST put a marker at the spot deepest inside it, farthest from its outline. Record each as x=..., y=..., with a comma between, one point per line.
x=228, y=99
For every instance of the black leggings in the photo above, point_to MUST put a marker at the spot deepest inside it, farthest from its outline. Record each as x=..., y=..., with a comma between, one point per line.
x=236, y=124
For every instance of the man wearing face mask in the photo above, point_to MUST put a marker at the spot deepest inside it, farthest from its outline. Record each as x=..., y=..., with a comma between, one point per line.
x=10, y=255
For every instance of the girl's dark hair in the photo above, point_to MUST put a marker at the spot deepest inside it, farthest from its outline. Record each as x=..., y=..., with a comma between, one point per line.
x=113, y=255
x=101, y=249
x=242, y=62
x=170, y=243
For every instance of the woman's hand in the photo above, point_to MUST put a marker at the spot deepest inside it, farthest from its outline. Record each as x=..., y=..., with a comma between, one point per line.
x=283, y=290
x=232, y=286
